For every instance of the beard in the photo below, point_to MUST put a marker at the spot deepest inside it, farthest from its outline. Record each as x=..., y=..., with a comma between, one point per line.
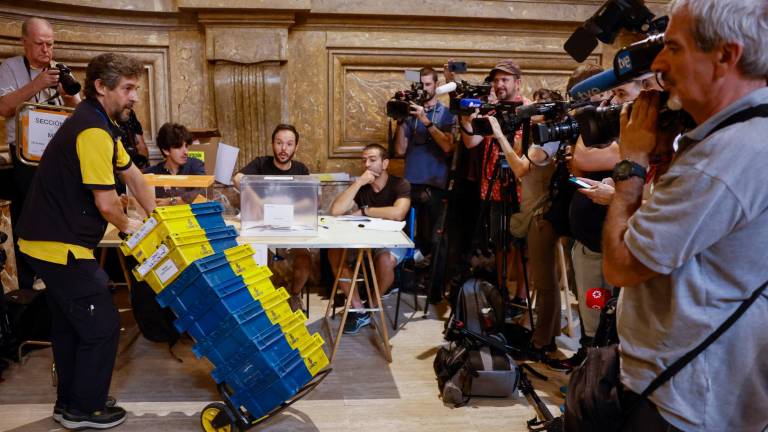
x=124, y=114
x=284, y=157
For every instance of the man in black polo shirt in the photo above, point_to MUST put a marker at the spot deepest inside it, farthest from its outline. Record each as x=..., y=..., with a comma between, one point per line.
x=64, y=217
x=285, y=142
x=381, y=195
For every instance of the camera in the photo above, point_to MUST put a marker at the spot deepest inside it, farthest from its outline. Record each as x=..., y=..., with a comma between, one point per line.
x=557, y=124
x=467, y=97
x=399, y=106
x=504, y=111
x=606, y=23
x=67, y=81
x=600, y=125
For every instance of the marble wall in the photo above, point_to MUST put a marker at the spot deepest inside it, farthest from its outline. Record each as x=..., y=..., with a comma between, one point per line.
x=327, y=66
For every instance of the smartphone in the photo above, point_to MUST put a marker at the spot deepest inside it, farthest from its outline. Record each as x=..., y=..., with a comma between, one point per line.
x=457, y=67
x=580, y=183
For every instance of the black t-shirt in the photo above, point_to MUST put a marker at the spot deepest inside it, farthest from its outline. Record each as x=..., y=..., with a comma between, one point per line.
x=587, y=218
x=265, y=165
x=128, y=131
x=395, y=189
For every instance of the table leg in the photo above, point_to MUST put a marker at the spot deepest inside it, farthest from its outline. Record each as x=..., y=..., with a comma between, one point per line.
x=347, y=305
x=380, y=326
x=336, y=283
x=124, y=267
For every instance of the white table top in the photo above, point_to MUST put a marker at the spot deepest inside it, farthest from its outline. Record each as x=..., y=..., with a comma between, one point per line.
x=336, y=234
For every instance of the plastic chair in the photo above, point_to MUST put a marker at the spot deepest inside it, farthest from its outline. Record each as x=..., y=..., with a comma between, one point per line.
x=401, y=269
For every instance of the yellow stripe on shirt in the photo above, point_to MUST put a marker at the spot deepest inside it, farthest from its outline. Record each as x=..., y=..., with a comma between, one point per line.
x=54, y=252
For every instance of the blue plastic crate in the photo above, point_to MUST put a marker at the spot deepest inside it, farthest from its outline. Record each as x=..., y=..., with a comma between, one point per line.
x=210, y=305
x=208, y=214
x=260, y=390
x=230, y=352
x=244, y=324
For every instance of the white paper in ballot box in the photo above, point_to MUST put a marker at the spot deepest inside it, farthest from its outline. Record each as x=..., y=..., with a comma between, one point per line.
x=226, y=158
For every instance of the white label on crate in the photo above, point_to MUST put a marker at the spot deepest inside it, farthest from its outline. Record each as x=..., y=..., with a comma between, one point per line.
x=259, y=254
x=152, y=261
x=166, y=270
x=139, y=235
x=278, y=215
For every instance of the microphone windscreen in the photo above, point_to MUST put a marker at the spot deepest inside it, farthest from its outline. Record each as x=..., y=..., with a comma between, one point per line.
x=596, y=298
x=595, y=84
x=445, y=88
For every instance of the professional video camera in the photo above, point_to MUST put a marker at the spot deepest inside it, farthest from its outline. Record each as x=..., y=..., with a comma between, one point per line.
x=557, y=124
x=600, y=125
x=399, y=107
x=67, y=80
x=605, y=24
x=504, y=111
x=465, y=97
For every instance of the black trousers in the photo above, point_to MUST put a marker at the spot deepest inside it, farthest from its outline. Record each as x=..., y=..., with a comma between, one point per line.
x=85, y=330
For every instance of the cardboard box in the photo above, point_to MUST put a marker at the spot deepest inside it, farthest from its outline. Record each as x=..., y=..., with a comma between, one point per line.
x=204, y=147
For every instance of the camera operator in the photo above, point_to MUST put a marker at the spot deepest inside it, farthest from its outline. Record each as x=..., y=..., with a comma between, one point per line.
x=696, y=250
x=28, y=78
x=426, y=140
x=506, y=81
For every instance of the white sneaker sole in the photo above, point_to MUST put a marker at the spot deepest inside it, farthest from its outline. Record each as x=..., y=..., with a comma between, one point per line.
x=79, y=425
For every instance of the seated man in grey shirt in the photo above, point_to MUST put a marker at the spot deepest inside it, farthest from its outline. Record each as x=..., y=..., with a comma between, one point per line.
x=697, y=249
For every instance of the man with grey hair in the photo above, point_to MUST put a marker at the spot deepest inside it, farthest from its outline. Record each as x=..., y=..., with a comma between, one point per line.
x=695, y=252
x=64, y=218
x=28, y=78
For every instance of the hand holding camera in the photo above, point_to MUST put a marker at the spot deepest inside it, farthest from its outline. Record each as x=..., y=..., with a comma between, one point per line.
x=639, y=130
x=46, y=79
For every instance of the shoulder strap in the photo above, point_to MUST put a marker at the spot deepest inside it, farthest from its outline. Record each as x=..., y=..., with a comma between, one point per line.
x=684, y=360
x=741, y=116
x=674, y=368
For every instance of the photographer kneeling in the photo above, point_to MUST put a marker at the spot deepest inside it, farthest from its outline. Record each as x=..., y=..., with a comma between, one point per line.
x=692, y=257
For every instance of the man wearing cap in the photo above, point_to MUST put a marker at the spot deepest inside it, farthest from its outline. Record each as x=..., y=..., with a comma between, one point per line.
x=506, y=83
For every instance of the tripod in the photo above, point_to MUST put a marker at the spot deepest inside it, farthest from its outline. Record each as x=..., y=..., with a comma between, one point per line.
x=544, y=420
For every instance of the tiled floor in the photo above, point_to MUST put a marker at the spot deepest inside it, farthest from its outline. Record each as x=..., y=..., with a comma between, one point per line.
x=363, y=392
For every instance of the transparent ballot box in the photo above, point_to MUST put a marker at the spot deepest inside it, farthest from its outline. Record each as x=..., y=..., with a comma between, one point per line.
x=279, y=205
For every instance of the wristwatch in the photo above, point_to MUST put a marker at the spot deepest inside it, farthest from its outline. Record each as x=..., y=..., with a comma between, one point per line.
x=626, y=169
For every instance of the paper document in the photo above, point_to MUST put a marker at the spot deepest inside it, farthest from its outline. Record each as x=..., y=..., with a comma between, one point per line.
x=260, y=253
x=226, y=157
x=278, y=215
x=383, y=225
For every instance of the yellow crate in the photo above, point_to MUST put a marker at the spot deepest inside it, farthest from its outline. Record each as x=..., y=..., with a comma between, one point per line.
x=295, y=329
x=241, y=259
x=276, y=306
x=258, y=282
x=313, y=354
x=160, y=224
x=176, y=253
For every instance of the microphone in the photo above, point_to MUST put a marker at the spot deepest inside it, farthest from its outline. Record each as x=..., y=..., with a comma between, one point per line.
x=445, y=88
x=596, y=298
x=595, y=84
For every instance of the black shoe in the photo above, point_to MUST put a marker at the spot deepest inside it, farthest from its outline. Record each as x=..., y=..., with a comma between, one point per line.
x=570, y=363
x=58, y=409
x=107, y=418
x=355, y=322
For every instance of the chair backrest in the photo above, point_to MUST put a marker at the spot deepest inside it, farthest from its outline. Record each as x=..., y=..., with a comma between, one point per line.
x=410, y=226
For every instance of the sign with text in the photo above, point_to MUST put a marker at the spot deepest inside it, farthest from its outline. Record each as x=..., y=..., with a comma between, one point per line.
x=42, y=127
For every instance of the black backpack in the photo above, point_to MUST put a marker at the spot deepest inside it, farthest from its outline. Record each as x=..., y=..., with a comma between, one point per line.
x=463, y=367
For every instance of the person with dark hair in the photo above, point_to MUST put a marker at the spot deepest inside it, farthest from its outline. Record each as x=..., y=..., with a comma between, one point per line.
x=285, y=143
x=174, y=140
x=425, y=139
x=71, y=200
x=377, y=194
x=28, y=78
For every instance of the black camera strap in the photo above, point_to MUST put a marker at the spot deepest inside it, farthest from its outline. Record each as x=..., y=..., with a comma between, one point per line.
x=674, y=368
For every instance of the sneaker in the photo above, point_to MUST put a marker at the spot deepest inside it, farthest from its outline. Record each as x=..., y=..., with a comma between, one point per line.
x=58, y=409
x=107, y=418
x=355, y=322
x=564, y=391
x=571, y=362
x=295, y=303
x=392, y=290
